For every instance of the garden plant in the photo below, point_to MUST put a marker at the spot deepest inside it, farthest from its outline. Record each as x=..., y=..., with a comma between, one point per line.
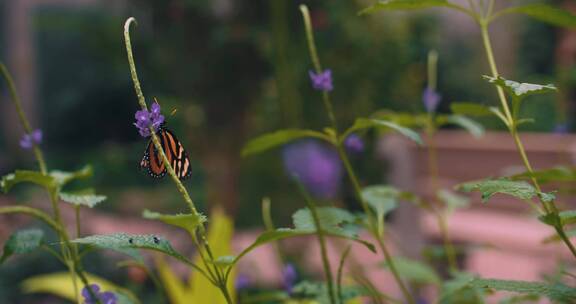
x=213, y=274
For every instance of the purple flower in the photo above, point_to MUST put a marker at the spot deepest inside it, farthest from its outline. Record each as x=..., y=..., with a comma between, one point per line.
x=29, y=140
x=315, y=165
x=289, y=277
x=322, y=81
x=431, y=99
x=353, y=143
x=242, y=282
x=145, y=120
x=104, y=297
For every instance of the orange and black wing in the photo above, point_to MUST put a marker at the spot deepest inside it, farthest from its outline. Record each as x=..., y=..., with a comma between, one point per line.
x=175, y=153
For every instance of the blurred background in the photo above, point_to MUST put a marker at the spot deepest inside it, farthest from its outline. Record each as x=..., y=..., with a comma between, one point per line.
x=233, y=70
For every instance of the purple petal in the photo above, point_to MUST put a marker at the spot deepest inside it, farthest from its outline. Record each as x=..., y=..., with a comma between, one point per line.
x=108, y=298
x=242, y=282
x=289, y=276
x=155, y=109
x=26, y=141
x=354, y=143
x=37, y=136
x=86, y=293
x=315, y=165
x=431, y=99
x=142, y=115
x=321, y=81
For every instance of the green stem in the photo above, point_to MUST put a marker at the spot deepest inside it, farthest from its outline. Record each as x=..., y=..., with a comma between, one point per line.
x=373, y=227
x=39, y=214
x=322, y=241
x=185, y=195
x=23, y=120
x=549, y=207
x=434, y=173
x=340, y=274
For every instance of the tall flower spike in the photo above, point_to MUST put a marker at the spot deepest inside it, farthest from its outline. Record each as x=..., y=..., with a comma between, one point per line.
x=29, y=140
x=322, y=81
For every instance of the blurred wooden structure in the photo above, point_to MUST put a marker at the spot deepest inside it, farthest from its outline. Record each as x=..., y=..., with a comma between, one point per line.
x=508, y=235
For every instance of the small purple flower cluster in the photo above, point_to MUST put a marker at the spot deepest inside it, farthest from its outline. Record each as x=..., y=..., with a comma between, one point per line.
x=104, y=297
x=145, y=119
x=29, y=140
x=431, y=99
x=289, y=276
x=322, y=81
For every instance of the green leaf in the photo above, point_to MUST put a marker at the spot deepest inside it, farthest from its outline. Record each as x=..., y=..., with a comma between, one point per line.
x=130, y=243
x=556, y=291
x=188, y=222
x=544, y=13
x=20, y=176
x=79, y=199
x=520, y=299
x=470, y=109
x=272, y=140
x=458, y=290
x=367, y=123
x=452, y=200
x=332, y=220
x=551, y=219
x=404, y=5
x=568, y=217
x=335, y=222
x=382, y=198
x=557, y=174
x=23, y=241
x=415, y=271
x=226, y=260
x=475, y=128
x=488, y=188
x=62, y=177
x=518, y=89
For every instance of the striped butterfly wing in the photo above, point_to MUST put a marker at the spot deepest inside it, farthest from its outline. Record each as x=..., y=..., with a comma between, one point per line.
x=175, y=153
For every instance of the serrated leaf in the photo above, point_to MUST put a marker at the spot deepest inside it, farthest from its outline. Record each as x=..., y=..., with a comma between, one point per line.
x=557, y=291
x=331, y=220
x=21, y=176
x=23, y=241
x=458, y=290
x=367, y=123
x=88, y=200
x=404, y=5
x=520, y=299
x=518, y=89
x=452, y=200
x=475, y=128
x=63, y=177
x=488, y=188
x=188, y=222
x=415, y=271
x=130, y=243
x=278, y=138
x=470, y=109
x=544, y=13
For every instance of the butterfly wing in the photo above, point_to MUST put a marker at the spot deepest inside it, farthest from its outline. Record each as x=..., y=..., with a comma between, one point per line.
x=152, y=163
x=175, y=153
x=178, y=156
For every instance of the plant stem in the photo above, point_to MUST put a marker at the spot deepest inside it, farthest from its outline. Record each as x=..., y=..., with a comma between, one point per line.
x=373, y=227
x=322, y=242
x=549, y=207
x=23, y=120
x=434, y=173
x=339, y=276
x=219, y=277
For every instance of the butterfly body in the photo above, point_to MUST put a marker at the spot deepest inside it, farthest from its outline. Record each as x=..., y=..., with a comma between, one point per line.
x=152, y=162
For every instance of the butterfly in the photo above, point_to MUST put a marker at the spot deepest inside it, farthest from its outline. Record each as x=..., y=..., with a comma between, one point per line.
x=177, y=156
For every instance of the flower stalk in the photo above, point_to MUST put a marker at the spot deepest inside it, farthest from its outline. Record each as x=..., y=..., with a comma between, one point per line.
x=372, y=225
x=215, y=273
